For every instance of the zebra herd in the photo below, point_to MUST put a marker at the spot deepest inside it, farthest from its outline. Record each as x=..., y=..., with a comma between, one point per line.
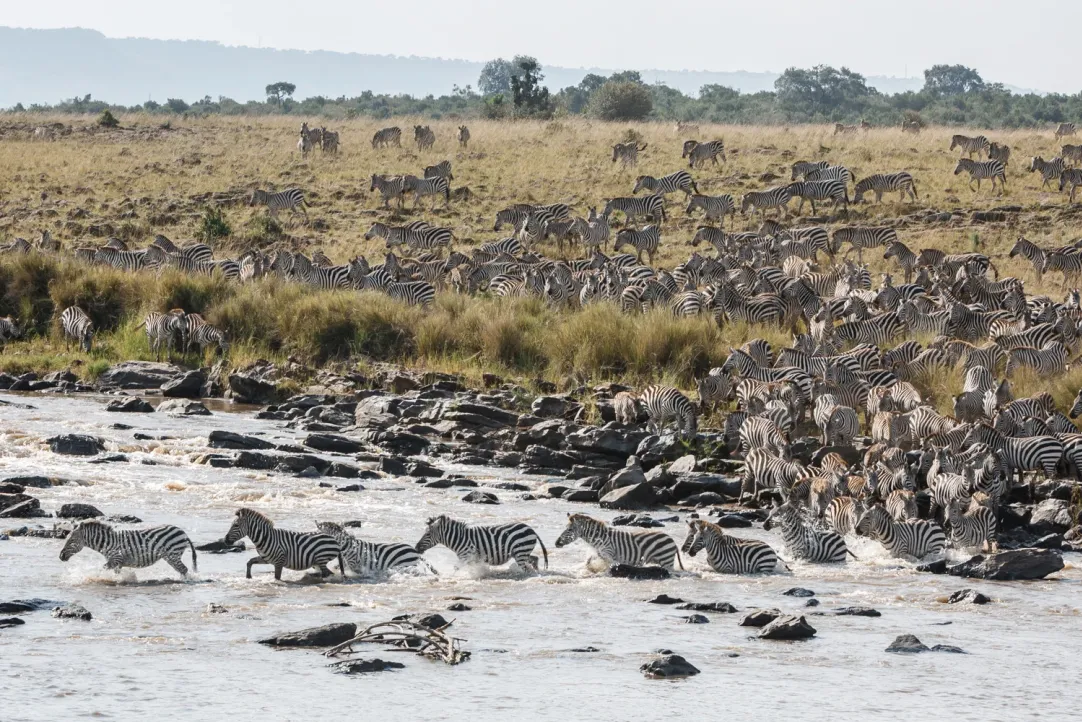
x=310, y=138
x=998, y=156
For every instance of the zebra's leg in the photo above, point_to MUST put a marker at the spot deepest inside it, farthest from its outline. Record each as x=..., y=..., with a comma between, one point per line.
x=277, y=573
x=528, y=562
x=324, y=571
x=256, y=560
x=177, y=564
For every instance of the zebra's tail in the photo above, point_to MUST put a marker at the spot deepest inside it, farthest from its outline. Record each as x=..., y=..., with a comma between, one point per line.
x=195, y=562
x=341, y=564
x=850, y=553
x=680, y=561
x=544, y=551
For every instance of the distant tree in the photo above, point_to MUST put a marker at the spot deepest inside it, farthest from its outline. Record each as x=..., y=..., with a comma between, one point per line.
x=821, y=90
x=495, y=78
x=280, y=90
x=952, y=80
x=527, y=94
x=177, y=105
x=19, y=108
x=151, y=105
x=108, y=120
x=591, y=83
x=626, y=76
x=621, y=100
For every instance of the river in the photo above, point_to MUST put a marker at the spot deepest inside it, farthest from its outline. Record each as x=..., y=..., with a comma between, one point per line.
x=152, y=647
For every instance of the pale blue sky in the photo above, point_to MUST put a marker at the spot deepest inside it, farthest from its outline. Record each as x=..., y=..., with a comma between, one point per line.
x=1031, y=44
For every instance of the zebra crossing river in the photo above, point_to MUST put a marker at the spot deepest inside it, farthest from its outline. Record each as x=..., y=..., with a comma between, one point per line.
x=153, y=646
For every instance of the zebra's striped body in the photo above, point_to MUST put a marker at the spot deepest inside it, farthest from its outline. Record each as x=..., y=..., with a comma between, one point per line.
x=367, y=559
x=165, y=329
x=386, y=137
x=389, y=187
x=424, y=137
x=700, y=153
x=804, y=542
x=492, y=545
x=969, y=146
x=664, y=404
x=134, y=548
x=916, y=539
x=440, y=170
x=617, y=546
x=761, y=201
x=1048, y=169
x=1064, y=130
x=880, y=183
x=715, y=207
x=463, y=136
x=652, y=206
x=971, y=527
x=77, y=326
x=421, y=187
x=803, y=167
x=281, y=548
x=824, y=190
x=978, y=170
x=290, y=199
x=727, y=554
x=644, y=241
x=627, y=153
x=679, y=181
x=861, y=237
x=1070, y=177
x=9, y=330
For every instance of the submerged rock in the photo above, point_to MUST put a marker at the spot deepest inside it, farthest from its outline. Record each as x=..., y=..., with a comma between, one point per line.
x=139, y=375
x=364, y=666
x=968, y=595
x=183, y=407
x=481, y=497
x=664, y=599
x=907, y=644
x=696, y=619
x=248, y=389
x=130, y=405
x=1011, y=565
x=219, y=439
x=787, y=629
x=721, y=607
x=72, y=611
x=220, y=547
x=76, y=445
x=325, y=636
x=10, y=622
x=671, y=666
x=79, y=511
x=760, y=617
x=636, y=497
x=627, y=571
x=188, y=386
x=798, y=592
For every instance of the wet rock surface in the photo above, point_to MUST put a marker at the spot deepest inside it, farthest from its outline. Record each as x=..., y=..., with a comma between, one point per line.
x=670, y=666
x=326, y=636
x=787, y=629
x=76, y=445
x=72, y=611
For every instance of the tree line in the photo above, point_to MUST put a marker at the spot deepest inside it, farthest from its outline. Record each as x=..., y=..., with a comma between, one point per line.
x=509, y=89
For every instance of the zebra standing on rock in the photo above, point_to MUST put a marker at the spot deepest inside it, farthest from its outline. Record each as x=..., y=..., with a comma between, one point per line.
x=678, y=181
x=491, y=545
x=281, y=548
x=727, y=554
x=617, y=546
x=368, y=558
x=291, y=199
x=804, y=542
x=386, y=137
x=993, y=169
x=77, y=326
x=133, y=548
x=915, y=539
x=880, y=183
x=626, y=408
x=665, y=404
x=969, y=146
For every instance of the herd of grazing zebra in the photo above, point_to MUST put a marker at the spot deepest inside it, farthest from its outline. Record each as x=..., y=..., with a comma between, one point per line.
x=325, y=140
x=994, y=168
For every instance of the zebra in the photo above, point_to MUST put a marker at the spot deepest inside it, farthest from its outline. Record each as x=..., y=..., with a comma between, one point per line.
x=1022, y=454
x=1049, y=360
x=291, y=199
x=424, y=137
x=644, y=241
x=832, y=190
x=803, y=167
x=165, y=328
x=386, y=137
x=491, y=545
x=713, y=206
x=699, y=153
x=652, y=206
x=77, y=326
x=284, y=549
x=440, y=170
x=760, y=433
x=617, y=546
x=328, y=141
x=304, y=145
x=969, y=146
x=831, y=172
x=133, y=548
x=900, y=253
x=764, y=469
x=592, y=233
x=1064, y=130
x=18, y=246
x=389, y=187
x=1072, y=153
x=727, y=554
x=627, y=153
x=714, y=389
x=993, y=169
x=202, y=334
x=916, y=539
x=845, y=129
x=911, y=126
x=122, y=260
x=881, y=183
x=463, y=136
x=625, y=406
x=802, y=541
x=412, y=293
x=772, y=198
x=842, y=514
x=1002, y=153
x=1072, y=177
x=421, y=187
x=679, y=181
x=665, y=404
x=9, y=329
x=1067, y=261
x=1048, y=169
x=971, y=527
x=1031, y=252
x=367, y=559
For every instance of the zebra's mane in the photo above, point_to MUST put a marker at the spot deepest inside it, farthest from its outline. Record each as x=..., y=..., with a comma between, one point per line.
x=585, y=520
x=702, y=525
x=248, y=512
x=90, y=524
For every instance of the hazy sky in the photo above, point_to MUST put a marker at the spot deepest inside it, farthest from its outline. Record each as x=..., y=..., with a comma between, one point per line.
x=1031, y=44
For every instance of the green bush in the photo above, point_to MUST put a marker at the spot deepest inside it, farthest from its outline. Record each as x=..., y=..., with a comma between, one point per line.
x=108, y=120
x=621, y=101
x=214, y=225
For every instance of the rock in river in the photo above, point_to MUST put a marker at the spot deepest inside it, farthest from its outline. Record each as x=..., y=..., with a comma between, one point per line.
x=76, y=445
x=787, y=629
x=72, y=611
x=364, y=666
x=1011, y=565
x=481, y=497
x=219, y=439
x=760, y=617
x=188, y=386
x=183, y=407
x=671, y=666
x=325, y=636
x=78, y=511
x=133, y=404
x=627, y=571
x=139, y=375
x=968, y=595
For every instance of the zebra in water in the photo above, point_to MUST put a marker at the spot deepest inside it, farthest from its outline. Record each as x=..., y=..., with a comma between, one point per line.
x=644, y=241
x=812, y=191
x=440, y=170
x=165, y=329
x=727, y=554
x=1064, y=130
x=1048, y=169
x=421, y=187
x=978, y=170
x=804, y=542
x=772, y=198
x=424, y=137
x=699, y=153
x=386, y=137
x=764, y=469
x=969, y=146
x=652, y=206
x=665, y=404
x=617, y=546
x=133, y=548
x=881, y=183
x=915, y=539
x=715, y=207
x=367, y=559
x=393, y=186
x=463, y=136
x=284, y=549
x=971, y=527
x=77, y=326
x=1070, y=177
x=491, y=545
x=290, y=199
x=627, y=153
x=679, y=181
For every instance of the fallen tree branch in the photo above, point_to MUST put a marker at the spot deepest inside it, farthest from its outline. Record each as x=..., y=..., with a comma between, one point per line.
x=408, y=636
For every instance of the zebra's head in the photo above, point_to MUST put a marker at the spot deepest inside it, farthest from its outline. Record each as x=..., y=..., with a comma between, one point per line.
x=258, y=197
x=784, y=516
x=82, y=536
x=644, y=181
x=576, y=524
x=86, y=336
x=694, y=541
x=434, y=533
x=242, y=521
x=873, y=522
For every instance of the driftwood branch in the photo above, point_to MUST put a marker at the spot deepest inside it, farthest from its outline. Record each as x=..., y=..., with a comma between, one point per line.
x=408, y=636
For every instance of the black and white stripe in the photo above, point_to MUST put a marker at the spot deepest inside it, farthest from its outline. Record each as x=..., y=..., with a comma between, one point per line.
x=803, y=542
x=497, y=544
x=165, y=329
x=681, y=180
x=727, y=554
x=699, y=153
x=1064, y=130
x=133, y=548
x=812, y=191
x=386, y=137
x=281, y=548
x=644, y=241
x=424, y=137
x=969, y=146
x=440, y=170
x=1048, y=169
x=1070, y=177
x=916, y=539
x=980, y=170
x=664, y=405
x=421, y=187
x=715, y=207
x=77, y=326
x=762, y=201
x=290, y=199
x=652, y=207
x=617, y=546
x=368, y=559
x=971, y=527
x=463, y=136
x=880, y=183
x=627, y=153
x=803, y=167
x=389, y=187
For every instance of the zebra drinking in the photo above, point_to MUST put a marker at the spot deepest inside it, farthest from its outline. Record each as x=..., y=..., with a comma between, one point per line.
x=369, y=558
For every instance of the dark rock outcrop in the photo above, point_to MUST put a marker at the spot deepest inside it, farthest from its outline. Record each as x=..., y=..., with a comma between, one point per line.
x=760, y=617
x=247, y=388
x=671, y=666
x=664, y=599
x=325, y=636
x=787, y=629
x=19, y=506
x=187, y=386
x=627, y=571
x=130, y=405
x=481, y=497
x=72, y=611
x=333, y=443
x=364, y=666
x=139, y=375
x=720, y=607
x=220, y=547
x=637, y=497
x=78, y=511
x=968, y=595
x=696, y=619
x=76, y=445
x=219, y=439
x=798, y=592
x=183, y=407
x=1011, y=565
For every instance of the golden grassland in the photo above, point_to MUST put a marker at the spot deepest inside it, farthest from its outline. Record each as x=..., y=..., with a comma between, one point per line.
x=144, y=179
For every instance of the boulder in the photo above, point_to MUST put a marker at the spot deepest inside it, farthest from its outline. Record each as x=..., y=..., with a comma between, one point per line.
x=37, y=482
x=640, y=520
x=7, y=622
x=423, y=469
x=325, y=636
x=458, y=607
x=704, y=498
x=76, y=445
x=6, y=381
x=798, y=592
x=852, y=611
x=124, y=519
x=22, y=606
x=364, y=666
x=967, y=595
x=627, y=571
x=720, y=607
x=219, y=439
x=696, y=619
x=392, y=465
x=664, y=599
x=637, y=497
x=654, y=450
x=183, y=407
x=78, y=511
x=550, y=407
x=1051, y=516
x=481, y=497
x=187, y=386
x=129, y=405
x=1011, y=565
x=684, y=465
x=732, y=521
x=787, y=629
x=248, y=389
x=813, y=602
x=580, y=495
x=139, y=375
x=72, y=611
x=760, y=617
x=612, y=442
x=907, y=644
x=19, y=505
x=671, y=666
x=550, y=433
x=333, y=443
